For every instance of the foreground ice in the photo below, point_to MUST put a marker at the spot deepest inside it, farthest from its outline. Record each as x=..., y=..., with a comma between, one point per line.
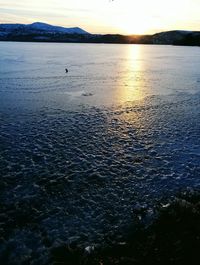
x=81, y=176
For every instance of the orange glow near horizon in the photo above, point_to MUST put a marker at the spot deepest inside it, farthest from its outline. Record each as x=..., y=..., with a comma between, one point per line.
x=94, y=16
x=147, y=17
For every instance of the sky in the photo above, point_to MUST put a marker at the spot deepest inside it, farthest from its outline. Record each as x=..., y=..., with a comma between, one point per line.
x=106, y=16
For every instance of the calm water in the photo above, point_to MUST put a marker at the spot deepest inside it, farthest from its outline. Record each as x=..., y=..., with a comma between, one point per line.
x=99, y=74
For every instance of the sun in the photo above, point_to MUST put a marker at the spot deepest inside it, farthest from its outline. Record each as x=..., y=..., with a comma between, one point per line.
x=135, y=26
x=144, y=17
x=132, y=17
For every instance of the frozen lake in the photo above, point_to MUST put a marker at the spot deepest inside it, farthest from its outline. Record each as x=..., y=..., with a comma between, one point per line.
x=99, y=74
x=80, y=151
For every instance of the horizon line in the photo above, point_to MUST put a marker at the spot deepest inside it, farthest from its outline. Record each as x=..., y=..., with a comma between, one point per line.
x=135, y=34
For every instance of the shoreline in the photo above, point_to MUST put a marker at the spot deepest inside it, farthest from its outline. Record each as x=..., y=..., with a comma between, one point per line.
x=117, y=43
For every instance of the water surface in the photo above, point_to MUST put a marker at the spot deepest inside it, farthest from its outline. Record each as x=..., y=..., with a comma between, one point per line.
x=99, y=74
x=80, y=151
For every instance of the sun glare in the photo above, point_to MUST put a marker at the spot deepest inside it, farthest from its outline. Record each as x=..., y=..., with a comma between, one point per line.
x=143, y=17
x=133, y=18
x=134, y=25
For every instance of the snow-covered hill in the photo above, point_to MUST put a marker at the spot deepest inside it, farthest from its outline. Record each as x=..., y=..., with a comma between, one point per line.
x=38, y=27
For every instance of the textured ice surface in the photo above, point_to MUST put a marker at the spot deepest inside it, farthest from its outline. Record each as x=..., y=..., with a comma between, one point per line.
x=78, y=176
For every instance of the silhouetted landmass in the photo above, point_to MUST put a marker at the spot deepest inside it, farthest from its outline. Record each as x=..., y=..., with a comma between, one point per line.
x=41, y=32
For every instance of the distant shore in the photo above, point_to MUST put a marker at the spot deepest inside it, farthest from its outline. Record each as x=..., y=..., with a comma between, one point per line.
x=105, y=39
x=41, y=32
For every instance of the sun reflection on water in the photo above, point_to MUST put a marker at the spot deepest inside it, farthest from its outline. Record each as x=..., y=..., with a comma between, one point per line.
x=131, y=81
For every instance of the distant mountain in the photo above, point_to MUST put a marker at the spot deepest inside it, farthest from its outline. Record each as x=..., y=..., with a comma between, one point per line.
x=37, y=28
x=48, y=33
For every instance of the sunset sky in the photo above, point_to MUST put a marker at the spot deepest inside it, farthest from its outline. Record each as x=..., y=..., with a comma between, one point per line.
x=106, y=16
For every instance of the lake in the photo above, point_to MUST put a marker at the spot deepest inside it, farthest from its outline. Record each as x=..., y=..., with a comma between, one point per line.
x=99, y=74
x=84, y=152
